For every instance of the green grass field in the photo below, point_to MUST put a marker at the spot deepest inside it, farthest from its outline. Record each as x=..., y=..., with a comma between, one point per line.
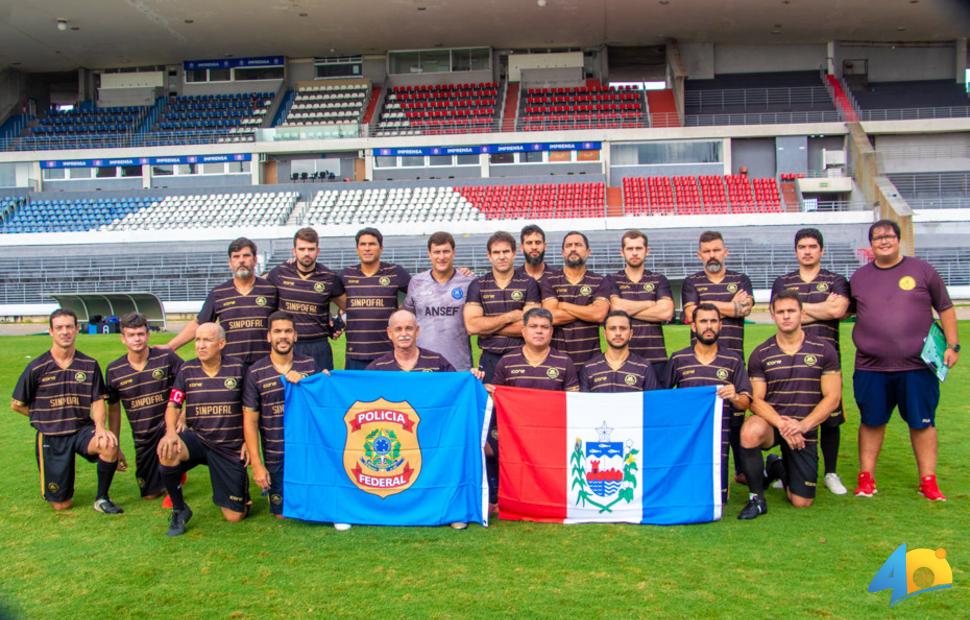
x=790, y=563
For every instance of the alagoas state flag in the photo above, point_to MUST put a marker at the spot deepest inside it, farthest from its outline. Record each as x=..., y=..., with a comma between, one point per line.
x=385, y=448
x=635, y=457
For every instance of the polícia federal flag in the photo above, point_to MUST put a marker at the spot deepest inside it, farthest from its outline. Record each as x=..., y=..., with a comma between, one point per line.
x=634, y=457
x=385, y=448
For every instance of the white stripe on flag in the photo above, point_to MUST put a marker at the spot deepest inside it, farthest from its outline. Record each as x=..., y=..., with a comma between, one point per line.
x=485, y=429
x=716, y=449
x=601, y=429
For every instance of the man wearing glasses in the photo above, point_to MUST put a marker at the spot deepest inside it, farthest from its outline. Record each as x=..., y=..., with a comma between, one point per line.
x=894, y=298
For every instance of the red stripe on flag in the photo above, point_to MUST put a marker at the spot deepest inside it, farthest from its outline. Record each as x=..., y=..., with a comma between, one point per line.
x=532, y=454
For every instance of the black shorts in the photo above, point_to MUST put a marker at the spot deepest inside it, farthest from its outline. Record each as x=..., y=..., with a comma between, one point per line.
x=275, y=487
x=487, y=363
x=837, y=418
x=801, y=466
x=55, y=462
x=147, y=473
x=230, y=482
x=319, y=349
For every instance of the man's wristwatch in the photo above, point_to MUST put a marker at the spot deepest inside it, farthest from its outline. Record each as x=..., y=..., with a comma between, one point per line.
x=955, y=346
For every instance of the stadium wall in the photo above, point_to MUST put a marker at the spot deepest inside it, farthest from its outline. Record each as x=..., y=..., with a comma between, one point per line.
x=900, y=62
x=767, y=58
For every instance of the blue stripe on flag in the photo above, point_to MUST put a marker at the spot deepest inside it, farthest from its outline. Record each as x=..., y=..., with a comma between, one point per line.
x=680, y=479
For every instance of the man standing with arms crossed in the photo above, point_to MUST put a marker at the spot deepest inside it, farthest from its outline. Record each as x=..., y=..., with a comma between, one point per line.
x=372, y=289
x=62, y=393
x=796, y=384
x=262, y=399
x=141, y=380
x=496, y=302
x=239, y=305
x=894, y=298
x=436, y=297
x=825, y=300
x=306, y=289
x=733, y=296
x=707, y=363
x=645, y=296
x=578, y=300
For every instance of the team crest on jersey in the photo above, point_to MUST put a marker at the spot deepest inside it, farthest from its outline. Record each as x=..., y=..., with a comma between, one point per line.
x=382, y=455
x=585, y=289
x=603, y=471
x=907, y=283
x=552, y=373
x=517, y=295
x=457, y=293
x=319, y=287
x=630, y=380
x=722, y=374
x=230, y=383
x=822, y=287
x=810, y=360
x=732, y=287
x=80, y=376
x=384, y=281
x=260, y=301
x=649, y=287
x=158, y=373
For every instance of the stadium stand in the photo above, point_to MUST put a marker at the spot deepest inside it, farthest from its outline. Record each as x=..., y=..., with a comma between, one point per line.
x=680, y=195
x=922, y=99
x=383, y=205
x=934, y=190
x=191, y=119
x=539, y=201
x=663, y=108
x=327, y=104
x=594, y=106
x=86, y=126
x=46, y=215
x=758, y=98
x=210, y=211
x=439, y=108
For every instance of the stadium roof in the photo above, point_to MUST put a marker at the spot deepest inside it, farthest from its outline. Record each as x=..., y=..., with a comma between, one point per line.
x=113, y=33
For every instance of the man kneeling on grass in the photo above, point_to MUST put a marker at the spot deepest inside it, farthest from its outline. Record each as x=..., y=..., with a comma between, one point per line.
x=210, y=389
x=796, y=384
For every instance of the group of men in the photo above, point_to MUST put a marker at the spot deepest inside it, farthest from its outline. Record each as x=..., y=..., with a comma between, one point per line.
x=537, y=327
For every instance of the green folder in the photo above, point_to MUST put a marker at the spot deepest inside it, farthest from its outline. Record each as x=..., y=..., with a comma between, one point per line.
x=934, y=346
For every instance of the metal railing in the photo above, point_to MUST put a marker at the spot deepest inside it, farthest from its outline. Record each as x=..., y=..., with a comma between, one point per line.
x=786, y=97
x=914, y=114
x=761, y=118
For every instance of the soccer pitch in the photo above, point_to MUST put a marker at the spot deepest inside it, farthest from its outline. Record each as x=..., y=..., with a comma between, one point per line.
x=815, y=562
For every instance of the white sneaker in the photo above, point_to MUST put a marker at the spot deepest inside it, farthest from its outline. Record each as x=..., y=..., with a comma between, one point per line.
x=834, y=484
x=459, y=525
x=341, y=527
x=777, y=484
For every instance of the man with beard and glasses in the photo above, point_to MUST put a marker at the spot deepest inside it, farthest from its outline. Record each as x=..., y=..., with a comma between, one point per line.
x=437, y=297
x=262, y=399
x=795, y=385
x=645, y=296
x=825, y=300
x=306, y=289
x=706, y=363
x=240, y=306
x=578, y=300
x=533, y=241
x=496, y=303
x=732, y=294
x=372, y=289
x=618, y=369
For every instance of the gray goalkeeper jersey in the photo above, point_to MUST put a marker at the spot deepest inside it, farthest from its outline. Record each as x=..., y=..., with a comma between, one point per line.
x=439, y=311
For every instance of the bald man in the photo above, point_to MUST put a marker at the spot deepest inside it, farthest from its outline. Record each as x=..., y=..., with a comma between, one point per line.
x=403, y=330
x=209, y=388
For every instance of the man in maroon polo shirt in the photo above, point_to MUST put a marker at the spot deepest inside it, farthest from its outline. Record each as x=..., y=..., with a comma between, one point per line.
x=894, y=298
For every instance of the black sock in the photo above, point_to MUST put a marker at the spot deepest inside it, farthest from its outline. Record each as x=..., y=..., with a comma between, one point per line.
x=172, y=477
x=778, y=471
x=106, y=472
x=753, y=467
x=734, y=437
x=831, y=436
